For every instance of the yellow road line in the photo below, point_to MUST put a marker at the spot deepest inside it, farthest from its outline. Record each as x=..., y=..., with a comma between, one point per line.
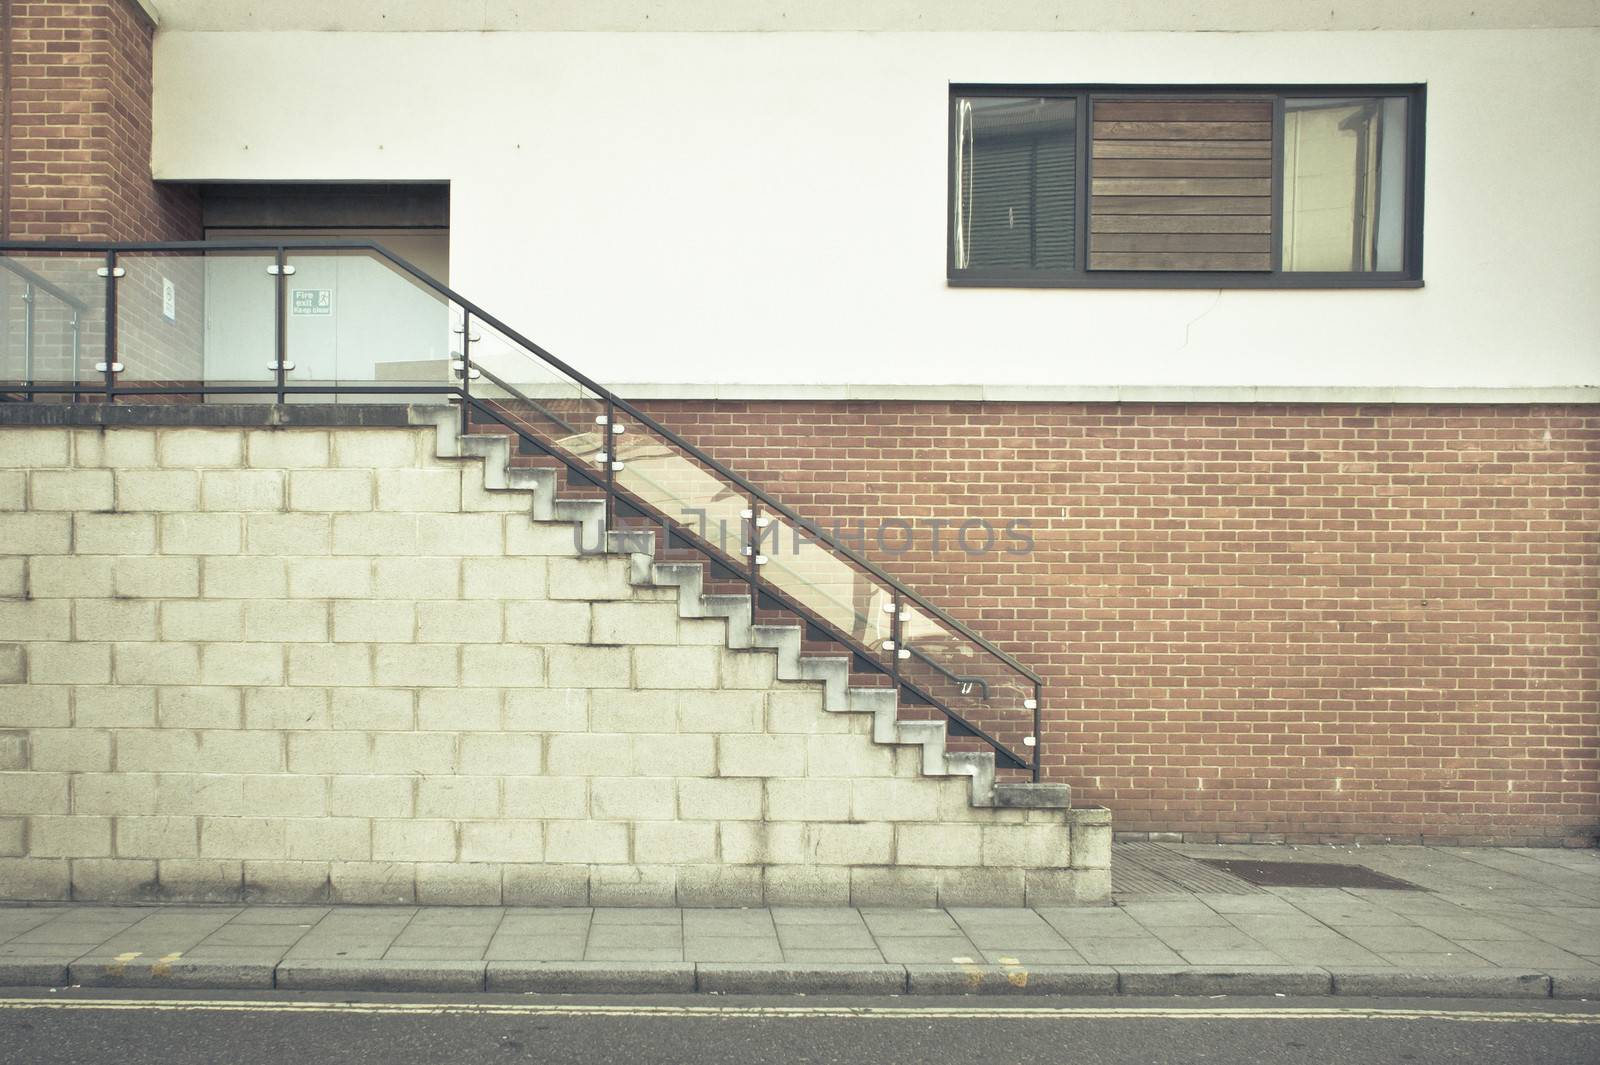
x=549, y=1009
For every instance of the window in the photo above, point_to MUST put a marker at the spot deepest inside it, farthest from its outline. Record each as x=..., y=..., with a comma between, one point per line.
x=1311, y=186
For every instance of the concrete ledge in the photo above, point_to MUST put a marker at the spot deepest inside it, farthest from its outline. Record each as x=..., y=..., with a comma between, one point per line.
x=1011, y=980
x=1443, y=983
x=216, y=415
x=591, y=977
x=179, y=972
x=795, y=978
x=1366, y=395
x=32, y=972
x=1570, y=983
x=1223, y=980
x=378, y=975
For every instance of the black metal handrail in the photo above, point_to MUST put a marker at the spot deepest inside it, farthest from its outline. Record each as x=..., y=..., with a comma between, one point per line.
x=280, y=249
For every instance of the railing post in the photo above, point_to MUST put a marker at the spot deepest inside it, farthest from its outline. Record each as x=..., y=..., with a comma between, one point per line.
x=1038, y=737
x=280, y=330
x=608, y=450
x=27, y=337
x=756, y=523
x=466, y=371
x=110, y=367
x=894, y=643
x=77, y=345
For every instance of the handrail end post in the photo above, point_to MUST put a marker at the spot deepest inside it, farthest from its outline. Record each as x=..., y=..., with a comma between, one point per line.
x=466, y=371
x=1038, y=738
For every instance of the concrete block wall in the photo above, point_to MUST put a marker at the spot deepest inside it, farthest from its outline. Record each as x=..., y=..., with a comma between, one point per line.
x=298, y=664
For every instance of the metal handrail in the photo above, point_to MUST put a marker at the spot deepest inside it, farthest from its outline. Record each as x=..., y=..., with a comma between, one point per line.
x=280, y=248
x=39, y=281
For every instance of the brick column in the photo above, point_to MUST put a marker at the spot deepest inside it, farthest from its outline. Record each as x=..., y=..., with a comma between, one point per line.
x=75, y=132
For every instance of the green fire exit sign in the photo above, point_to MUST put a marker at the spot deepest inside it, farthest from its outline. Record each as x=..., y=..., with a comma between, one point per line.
x=313, y=301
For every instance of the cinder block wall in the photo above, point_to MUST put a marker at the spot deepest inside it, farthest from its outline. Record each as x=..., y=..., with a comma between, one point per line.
x=290, y=664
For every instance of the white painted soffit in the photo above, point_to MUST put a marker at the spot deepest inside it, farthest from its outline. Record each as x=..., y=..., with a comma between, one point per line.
x=1235, y=16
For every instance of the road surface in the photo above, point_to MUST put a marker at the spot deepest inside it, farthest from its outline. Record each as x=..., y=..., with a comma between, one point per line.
x=40, y=1027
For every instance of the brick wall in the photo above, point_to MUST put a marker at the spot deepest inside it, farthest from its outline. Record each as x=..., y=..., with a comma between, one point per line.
x=77, y=128
x=1274, y=622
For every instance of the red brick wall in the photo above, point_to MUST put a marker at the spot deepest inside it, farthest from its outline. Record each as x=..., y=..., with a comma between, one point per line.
x=76, y=134
x=1305, y=622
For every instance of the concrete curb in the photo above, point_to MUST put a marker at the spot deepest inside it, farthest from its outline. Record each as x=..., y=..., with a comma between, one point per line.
x=1011, y=980
x=359, y=975
x=591, y=977
x=177, y=972
x=1223, y=980
x=1569, y=983
x=797, y=978
x=32, y=972
x=1441, y=983
x=647, y=978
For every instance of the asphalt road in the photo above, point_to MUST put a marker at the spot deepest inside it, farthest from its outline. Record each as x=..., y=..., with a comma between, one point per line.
x=39, y=1028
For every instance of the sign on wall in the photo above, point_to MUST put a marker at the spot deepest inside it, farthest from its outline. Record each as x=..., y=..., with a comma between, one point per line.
x=312, y=300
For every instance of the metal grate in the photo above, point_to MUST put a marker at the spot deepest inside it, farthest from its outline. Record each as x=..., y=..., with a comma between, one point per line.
x=1153, y=869
x=1310, y=874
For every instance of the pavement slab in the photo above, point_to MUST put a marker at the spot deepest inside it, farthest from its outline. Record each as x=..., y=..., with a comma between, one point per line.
x=1126, y=952
x=1032, y=957
x=535, y=948
x=933, y=949
x=1093, y=923
x=732, y=949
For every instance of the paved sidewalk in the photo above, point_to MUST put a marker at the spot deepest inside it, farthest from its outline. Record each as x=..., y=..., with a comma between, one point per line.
x=1503, y=922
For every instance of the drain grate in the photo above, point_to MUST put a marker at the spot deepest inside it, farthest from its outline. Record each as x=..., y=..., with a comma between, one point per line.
x=1309, y=874
x=1154, y=869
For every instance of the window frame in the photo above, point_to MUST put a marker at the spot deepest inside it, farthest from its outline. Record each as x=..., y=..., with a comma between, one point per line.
x=1410, y=276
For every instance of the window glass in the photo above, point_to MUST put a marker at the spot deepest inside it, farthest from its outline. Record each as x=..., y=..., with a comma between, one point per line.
x=1344, y=166
x=1016, y=183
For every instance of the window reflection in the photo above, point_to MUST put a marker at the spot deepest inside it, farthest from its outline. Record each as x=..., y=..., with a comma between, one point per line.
x=1344, y=164
x=1016, y=182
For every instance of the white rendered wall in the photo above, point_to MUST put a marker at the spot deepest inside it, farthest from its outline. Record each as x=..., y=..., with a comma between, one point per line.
x=738, y=207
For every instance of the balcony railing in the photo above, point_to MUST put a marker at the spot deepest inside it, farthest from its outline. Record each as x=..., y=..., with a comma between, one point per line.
x=341, y=321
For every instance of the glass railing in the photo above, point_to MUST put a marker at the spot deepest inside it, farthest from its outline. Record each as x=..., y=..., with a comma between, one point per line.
x=326, y=321
x=196, y=319
x=55, y=320
x=356, y=323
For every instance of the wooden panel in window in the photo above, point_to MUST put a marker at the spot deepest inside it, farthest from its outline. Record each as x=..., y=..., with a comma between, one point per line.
x=1181, y=184
x=1219, y=149
x=1228, y=168
x=1214, y=223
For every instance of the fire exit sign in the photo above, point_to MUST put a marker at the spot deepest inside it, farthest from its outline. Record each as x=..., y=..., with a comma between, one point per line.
x=313, y=300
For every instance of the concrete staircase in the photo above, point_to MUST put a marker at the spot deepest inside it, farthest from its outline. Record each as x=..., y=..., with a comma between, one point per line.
x=784, y=641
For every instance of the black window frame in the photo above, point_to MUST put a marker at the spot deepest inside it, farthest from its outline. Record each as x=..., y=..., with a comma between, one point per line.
x=1410, y=276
